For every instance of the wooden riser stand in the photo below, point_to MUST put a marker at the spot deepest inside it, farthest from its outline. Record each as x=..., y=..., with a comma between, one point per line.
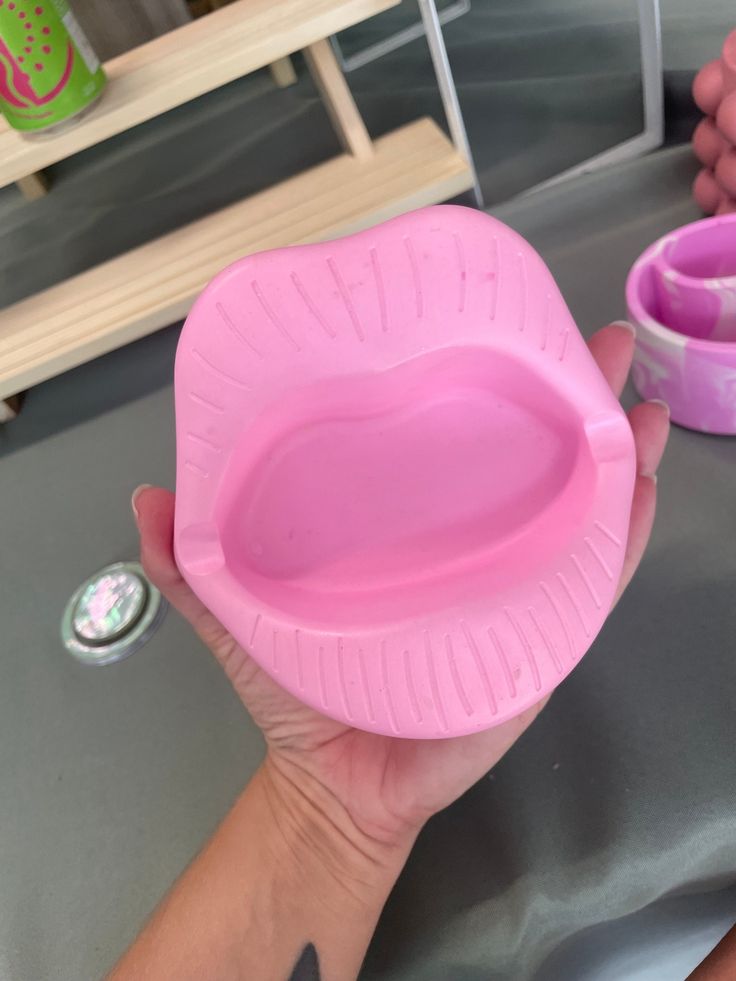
x=155, y=284
x=38, y=184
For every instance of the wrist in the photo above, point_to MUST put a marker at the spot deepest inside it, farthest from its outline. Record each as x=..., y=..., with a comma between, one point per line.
x=320, y=840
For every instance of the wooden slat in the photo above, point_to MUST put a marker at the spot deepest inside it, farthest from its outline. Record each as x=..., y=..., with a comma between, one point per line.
x=186, y=63
x=154, y=285
x=34, y=186
x=338, y=99
x=9, y=408
x=283, y=72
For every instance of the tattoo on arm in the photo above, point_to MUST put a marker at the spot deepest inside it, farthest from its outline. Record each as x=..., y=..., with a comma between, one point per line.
x=307, y=967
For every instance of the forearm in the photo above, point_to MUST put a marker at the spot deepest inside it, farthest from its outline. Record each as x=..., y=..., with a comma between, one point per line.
x=287, y=868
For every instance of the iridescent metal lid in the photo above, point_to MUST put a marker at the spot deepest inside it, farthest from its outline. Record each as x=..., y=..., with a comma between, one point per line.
x=111, y=614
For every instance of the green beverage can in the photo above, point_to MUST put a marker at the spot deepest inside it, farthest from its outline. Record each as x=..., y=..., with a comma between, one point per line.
x=49, y=73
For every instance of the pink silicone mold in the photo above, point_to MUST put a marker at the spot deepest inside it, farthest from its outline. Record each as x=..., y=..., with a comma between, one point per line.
x=402, y=482
x=681, y=295
x=714, y=90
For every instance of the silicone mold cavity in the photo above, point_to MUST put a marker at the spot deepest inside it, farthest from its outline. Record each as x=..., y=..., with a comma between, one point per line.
x=402, y=482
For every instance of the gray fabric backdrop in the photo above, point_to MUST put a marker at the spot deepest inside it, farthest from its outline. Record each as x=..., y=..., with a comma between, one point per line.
x=604, y=844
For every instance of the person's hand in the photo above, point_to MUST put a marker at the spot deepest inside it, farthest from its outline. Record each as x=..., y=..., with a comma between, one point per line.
x=387, y=786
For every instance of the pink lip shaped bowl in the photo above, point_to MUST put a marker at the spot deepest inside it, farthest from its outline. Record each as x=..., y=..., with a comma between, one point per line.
x=681, y=295
x=402, y=482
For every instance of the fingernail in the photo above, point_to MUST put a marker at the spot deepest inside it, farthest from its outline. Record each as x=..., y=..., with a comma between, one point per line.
x=626, y=325
x=134, y=496
x=650, y=476
x=662, y=403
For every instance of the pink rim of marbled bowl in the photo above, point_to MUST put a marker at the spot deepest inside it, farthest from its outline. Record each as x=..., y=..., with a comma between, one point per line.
x=695, y=375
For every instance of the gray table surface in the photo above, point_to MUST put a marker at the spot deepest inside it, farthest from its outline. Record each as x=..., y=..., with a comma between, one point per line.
x=611, y=820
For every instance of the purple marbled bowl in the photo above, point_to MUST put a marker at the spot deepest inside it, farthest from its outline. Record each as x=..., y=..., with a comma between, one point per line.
x=681, y=295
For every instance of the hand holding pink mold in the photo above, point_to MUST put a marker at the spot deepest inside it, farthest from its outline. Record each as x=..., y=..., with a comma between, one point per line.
x=714, y=140
x=402, y=483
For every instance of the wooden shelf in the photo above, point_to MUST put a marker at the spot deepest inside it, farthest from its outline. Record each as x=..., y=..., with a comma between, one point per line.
x=154, y=285
x=184, y=64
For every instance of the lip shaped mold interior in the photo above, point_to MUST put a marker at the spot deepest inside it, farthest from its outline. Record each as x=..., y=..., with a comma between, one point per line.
x=402, y=483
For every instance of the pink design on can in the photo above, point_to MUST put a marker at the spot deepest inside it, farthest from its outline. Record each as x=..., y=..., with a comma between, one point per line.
x=15, y=84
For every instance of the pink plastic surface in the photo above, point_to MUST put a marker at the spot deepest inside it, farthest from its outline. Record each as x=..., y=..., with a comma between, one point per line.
x=714, y=90
x=402, y=482
x=681, y=295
